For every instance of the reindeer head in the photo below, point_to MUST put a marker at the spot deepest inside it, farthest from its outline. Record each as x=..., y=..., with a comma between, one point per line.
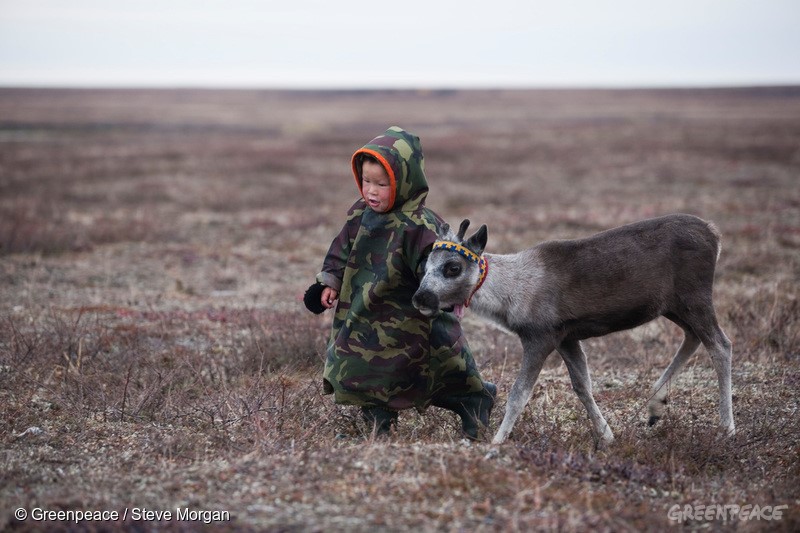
x=453, y=272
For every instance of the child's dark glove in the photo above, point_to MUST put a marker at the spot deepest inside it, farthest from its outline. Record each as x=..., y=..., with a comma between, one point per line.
x=313, y=298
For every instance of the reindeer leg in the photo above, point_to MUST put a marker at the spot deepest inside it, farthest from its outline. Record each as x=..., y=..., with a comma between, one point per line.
x=575, y=359
x=721, y=355
x=534, y=356
x=655, y=406
x=719, y=347
x=703, y=322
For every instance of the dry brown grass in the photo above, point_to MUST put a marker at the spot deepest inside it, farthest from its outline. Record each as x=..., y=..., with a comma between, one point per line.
x=153, y=246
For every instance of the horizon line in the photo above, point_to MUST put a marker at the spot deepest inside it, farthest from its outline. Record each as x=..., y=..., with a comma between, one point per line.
x=436, y=87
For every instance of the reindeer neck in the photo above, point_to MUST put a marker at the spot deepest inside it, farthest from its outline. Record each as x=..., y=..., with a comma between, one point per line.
x=493, y=300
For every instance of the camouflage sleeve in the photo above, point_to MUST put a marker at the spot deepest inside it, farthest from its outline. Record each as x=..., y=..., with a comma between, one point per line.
x=336, y=259
x=418, y=243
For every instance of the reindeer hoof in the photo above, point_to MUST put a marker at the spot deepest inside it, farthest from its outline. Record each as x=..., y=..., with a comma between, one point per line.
x=652, y=420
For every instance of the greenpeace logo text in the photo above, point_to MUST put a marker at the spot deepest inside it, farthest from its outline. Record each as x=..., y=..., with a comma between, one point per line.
x=726, y=513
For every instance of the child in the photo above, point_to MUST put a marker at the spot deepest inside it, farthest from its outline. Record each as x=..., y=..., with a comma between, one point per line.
x=383, y=354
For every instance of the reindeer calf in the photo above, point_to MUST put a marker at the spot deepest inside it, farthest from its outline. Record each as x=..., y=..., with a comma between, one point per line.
x=561, y=292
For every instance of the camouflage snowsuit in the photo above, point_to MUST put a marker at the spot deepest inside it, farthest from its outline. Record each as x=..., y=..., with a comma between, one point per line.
x=382, y=351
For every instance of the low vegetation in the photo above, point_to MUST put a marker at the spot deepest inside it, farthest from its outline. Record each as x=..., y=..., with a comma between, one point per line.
x=154, y=352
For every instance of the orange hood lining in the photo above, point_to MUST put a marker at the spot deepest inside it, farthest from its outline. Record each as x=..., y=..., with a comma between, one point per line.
x=389, y=170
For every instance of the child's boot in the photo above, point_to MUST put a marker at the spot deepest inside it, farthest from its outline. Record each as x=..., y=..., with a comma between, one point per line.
x=474, y=408
x=380, y=419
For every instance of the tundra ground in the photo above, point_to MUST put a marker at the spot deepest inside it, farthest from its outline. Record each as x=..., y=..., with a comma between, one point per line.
x=154, y=353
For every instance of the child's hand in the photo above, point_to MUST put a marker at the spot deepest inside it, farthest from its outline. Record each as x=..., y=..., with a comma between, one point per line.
x=329, y=297
x=312, y=298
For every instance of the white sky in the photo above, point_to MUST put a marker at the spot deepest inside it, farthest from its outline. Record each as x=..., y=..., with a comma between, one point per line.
x=409, y=43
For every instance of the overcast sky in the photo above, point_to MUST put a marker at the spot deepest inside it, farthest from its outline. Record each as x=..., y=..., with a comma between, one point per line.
x=409, y=43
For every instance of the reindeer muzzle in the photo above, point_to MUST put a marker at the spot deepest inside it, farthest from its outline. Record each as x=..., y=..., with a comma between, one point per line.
x=425, y=301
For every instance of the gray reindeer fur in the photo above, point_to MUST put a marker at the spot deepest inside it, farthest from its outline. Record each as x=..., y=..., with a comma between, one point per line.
x=560, y=292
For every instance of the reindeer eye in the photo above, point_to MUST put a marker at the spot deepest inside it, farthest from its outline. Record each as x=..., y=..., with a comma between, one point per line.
x=451, y=270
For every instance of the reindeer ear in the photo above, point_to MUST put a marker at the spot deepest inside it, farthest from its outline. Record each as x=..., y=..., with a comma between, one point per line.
x=444, y=230
x=462, y=230
x=477, y=243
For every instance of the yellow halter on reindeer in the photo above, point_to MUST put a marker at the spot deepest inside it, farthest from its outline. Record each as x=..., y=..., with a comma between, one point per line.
x=483, y=264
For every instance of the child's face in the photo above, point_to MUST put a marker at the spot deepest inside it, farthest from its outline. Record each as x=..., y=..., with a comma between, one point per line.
x=375, y=186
